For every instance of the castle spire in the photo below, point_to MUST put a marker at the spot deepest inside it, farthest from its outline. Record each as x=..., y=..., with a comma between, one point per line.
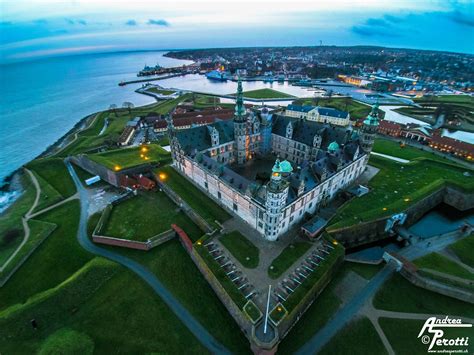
x=239, y=103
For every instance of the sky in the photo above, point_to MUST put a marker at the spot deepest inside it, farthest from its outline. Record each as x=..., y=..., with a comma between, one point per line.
x=31, y=29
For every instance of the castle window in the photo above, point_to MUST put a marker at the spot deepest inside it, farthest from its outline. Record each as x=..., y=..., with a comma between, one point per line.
x=235, y=207
x=205, y=184
x=219, y=195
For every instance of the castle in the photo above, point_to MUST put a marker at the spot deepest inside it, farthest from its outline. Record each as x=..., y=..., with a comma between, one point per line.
x=270, y=169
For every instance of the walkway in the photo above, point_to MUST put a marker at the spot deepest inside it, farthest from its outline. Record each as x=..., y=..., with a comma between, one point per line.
x=146, y=275
x=25, y=219
x=391, y=157
x=347, y=312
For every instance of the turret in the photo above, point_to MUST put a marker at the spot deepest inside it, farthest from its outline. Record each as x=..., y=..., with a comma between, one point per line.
x=241, y=136
x=277, y=194
x=369, y=129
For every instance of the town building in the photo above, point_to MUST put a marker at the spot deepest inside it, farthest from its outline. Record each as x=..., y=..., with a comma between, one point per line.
x=268, y=169
x=319, y=114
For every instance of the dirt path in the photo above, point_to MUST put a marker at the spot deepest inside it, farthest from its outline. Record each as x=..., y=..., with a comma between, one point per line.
x=25, y=219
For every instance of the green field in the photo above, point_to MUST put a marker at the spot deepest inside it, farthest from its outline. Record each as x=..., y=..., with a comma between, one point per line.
x=241, y=248
x=119, y=159
x=161, y=91
x=367, y=271
x=10, y=220
x=54, y=261
x=53, y=171
x=438, y=262
x=144, y=216
x=48, y=195
x=397, y=186
x=399, y=295
x=286, y=258
x=358, y=337
x=202, y=204
x=389, y=147
x=265, y=94
x=356, y=109
x=94, y=302
x=463, y=249
x=403, y=336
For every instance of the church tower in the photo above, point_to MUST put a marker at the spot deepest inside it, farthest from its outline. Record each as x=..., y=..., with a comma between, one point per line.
x=277, y=194
x=369, y=129
x=241, y=136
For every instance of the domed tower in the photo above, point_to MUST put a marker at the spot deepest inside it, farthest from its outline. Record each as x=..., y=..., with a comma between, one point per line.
x=277, y=194
x=240, y=127
x=369, y=129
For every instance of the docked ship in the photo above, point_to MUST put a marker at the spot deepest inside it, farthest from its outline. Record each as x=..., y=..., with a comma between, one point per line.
x=217, y=75
x=157, y=69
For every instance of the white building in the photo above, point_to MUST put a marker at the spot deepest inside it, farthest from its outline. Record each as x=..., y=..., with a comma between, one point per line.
x=319, y=114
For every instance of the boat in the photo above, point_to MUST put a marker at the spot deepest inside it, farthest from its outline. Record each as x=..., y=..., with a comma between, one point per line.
x=217, y=75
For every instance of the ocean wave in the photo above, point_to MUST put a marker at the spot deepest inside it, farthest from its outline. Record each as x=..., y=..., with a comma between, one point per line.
x=7, y=198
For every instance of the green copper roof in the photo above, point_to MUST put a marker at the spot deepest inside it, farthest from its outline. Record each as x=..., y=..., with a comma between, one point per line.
x=333, y=147
x=373, y=117
x=239, y=104
x=282, y=167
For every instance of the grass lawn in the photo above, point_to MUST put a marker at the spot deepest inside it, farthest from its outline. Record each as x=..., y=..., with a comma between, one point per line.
x=94, y=302
x=356, y=109
x=241, y=248
x=173, y=266
x=265, y=94
x=48, y=195
x=389, y=147
x=55, y=173
x=397, y=186
x=145, y=216
x=399, y=295
x=11, y=219
x=161, y=91
x=438, y=262
x=358, y=337
x=403, y=336
x=464, y=250
x=119, y=159
x=39, y=231
x=367, y=271
x=202, y=204
x=287, y=257
x=58, y=257
x=251, y=310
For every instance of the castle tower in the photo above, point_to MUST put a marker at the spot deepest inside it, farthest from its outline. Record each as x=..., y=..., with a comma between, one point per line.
x=369, y=129
x=277, y=194
x=241, y=136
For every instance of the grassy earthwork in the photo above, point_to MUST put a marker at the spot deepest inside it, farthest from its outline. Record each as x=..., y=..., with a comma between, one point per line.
x=287, y=257
x=202, y=204
x=397, y=186
x=241, y=248
x=464, y=250
x=440, y=263
x=159, y=91
x=144, y=216
x=119, y=159
x=357, y=337
x=266, y=94
x=399, y=295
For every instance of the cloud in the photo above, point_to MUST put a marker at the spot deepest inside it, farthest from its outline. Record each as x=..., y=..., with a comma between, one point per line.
x=461, y=18
x=41, y=21
x=373, y=31
x=159, y=22
x=131, y=23
x=72, y=21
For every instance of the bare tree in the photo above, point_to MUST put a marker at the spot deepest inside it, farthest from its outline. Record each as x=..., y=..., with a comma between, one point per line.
x=113, y=108
x=128, y=105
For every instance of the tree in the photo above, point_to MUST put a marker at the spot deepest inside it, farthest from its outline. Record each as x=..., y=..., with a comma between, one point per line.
x=329, y=93
x=67, y=341
x=113, y=108
x=128, y=105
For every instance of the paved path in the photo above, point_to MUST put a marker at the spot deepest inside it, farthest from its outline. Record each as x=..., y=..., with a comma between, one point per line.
x=391, y=157
x=25, y=219
x=347, y=312
x=146, y=275
x=62, y=202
